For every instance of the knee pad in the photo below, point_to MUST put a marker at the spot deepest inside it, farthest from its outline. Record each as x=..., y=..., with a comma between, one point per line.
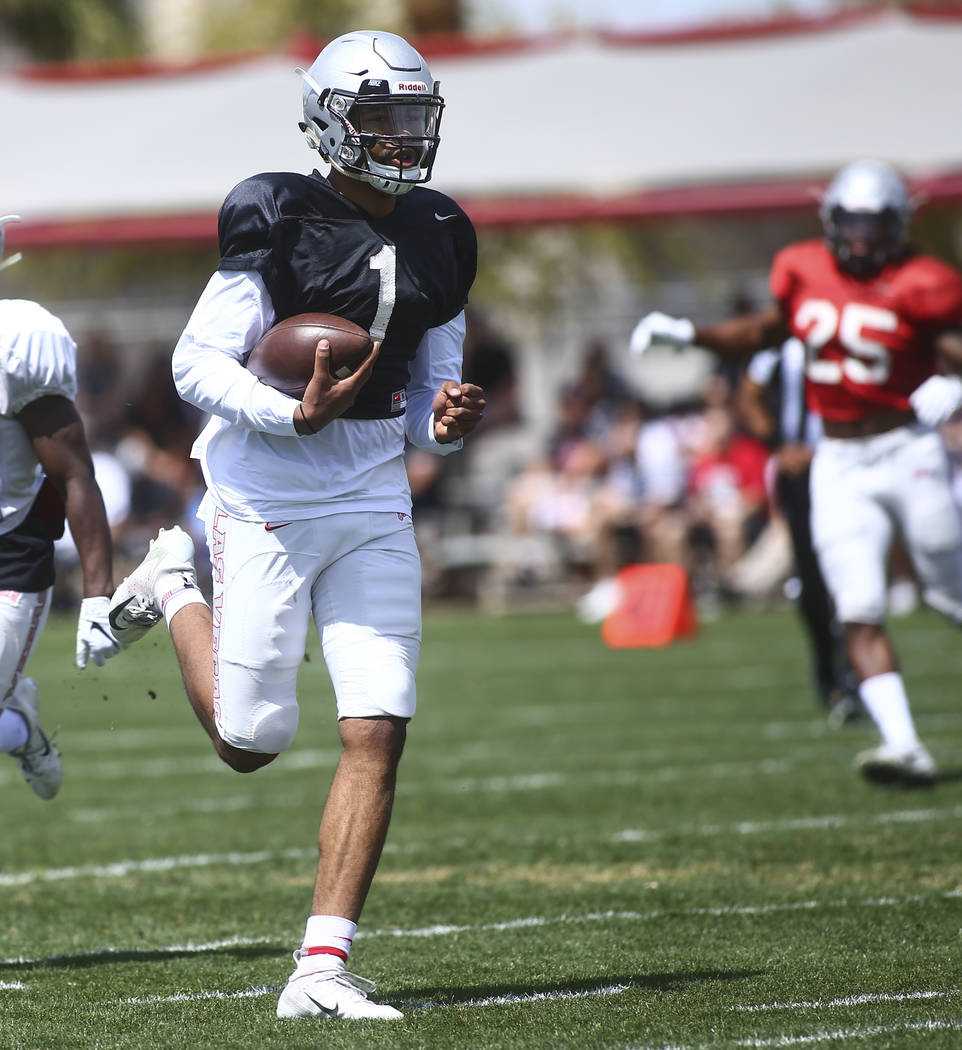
x=256, y=711
x=273, y=729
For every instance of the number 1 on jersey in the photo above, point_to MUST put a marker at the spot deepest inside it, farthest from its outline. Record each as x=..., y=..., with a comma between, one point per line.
x=385, y=262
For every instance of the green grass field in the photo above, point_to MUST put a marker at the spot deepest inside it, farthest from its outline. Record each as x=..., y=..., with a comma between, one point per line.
x=631, y=850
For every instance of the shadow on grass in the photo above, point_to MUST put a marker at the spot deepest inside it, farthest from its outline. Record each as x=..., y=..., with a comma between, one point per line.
x=609, y=984
x=949, y=776
x=112, y=956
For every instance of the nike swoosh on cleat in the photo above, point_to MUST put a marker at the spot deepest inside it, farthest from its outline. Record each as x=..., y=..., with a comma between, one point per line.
x=268, y=527
x=132, y=619
x=115, y=613
x=444, y=218
x=325, y=1010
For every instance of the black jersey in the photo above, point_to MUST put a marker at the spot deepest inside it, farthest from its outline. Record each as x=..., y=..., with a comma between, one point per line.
x=395, y=276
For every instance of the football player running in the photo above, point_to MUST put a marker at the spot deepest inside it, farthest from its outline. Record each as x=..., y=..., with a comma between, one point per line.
x=308, y=509
x=883, y=330
x=46, y=474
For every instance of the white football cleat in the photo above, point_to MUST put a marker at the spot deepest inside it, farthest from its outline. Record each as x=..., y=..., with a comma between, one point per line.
x=39, y=759
x=332, y=993
x=135, y=606
x=885, y=765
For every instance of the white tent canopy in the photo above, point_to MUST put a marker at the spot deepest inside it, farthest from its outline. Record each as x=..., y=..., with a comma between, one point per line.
x=569, y=123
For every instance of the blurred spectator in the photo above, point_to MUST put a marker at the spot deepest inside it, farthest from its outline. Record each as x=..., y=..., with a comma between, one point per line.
x=727, y=501
x=490, y=362
x=603, y=389
x=662, y=462
x=101, y=386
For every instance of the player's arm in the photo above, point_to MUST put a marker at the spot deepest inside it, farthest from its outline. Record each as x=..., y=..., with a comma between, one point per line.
x=57, y=435
x=233, y=312
x=752, y=412
x=734, y=338
x=441, y=409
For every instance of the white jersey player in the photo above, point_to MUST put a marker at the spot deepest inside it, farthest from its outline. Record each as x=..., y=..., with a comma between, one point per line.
x=46, y=474
x=308, y=508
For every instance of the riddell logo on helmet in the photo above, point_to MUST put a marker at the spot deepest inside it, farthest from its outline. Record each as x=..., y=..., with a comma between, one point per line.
x=411, y=85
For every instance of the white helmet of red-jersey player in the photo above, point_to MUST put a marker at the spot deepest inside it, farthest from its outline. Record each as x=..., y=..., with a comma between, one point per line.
x=10, y=259
x=372, y=110
x=865, y=214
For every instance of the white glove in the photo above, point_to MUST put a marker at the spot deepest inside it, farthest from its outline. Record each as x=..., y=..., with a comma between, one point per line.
x=937, y=399
x=95, y=640
x=657, y=328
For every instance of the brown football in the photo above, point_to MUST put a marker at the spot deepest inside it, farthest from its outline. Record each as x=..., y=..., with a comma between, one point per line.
x=284, y=356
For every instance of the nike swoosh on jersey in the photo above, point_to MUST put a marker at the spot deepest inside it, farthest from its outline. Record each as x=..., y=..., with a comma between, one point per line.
x=273, y=528
x=444, y=218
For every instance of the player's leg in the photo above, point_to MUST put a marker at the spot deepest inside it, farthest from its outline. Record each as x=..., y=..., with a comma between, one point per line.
x=852, y=533
x=243, y=682
x=238, y=659
x=22, y=620
x=367, y=608
x=931, y=523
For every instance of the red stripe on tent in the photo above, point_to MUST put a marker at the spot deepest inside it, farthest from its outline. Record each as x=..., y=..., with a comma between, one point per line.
x=489, y=213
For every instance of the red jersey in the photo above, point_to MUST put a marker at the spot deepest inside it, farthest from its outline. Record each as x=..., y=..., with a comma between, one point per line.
x=869, y=342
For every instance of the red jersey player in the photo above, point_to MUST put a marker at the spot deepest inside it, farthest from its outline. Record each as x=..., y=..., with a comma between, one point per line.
x=882, y=326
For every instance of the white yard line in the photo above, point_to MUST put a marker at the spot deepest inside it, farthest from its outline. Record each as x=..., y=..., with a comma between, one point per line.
x=152, y=865
x=848, y=1000
x=530, y=997
x=171, y=949
x=528, y=922
x=827, y=822
x=197, y=997
x=127, y=867
x=844, y=1035
x=91, y=768
x=268, y=989
x=841, y=1035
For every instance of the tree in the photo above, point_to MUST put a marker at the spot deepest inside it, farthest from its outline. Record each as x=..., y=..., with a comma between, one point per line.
x=60, y=30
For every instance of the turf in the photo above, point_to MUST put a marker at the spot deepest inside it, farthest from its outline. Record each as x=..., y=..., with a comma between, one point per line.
x=635, y=850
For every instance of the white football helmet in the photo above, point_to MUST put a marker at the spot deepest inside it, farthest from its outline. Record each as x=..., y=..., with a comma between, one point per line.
x=865, y=214
x=372, y=110
x=11, y=259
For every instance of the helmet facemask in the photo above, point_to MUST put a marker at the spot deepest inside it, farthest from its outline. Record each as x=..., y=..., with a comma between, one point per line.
x=386, y=139
x=865, y=214
x=864, y=242
x=396, y=136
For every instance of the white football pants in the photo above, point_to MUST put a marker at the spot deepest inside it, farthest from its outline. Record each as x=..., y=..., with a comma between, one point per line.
x=358, y=575
x=22, y=620
x=865, y=488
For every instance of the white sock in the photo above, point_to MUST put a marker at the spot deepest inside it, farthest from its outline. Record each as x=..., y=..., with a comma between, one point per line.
x=175, y=591
x=884, y=698
x=327, y=943
x=14, y=731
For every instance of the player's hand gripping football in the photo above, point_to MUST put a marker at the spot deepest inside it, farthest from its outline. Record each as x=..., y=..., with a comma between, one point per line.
x=458, y=408
x=326, y=397
x=658, y=328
